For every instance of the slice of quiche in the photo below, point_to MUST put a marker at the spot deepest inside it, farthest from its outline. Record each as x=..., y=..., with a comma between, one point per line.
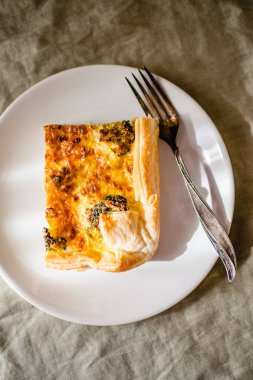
x=102, y=195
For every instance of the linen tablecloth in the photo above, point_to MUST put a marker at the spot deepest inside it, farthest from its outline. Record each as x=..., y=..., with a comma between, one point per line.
x=206, y=48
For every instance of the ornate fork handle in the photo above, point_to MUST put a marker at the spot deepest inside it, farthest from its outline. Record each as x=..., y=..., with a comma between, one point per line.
x=215, y=232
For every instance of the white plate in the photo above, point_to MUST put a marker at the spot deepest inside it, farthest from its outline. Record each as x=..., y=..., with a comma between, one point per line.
x=185, y=255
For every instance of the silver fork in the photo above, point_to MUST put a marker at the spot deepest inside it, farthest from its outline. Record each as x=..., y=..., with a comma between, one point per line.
x=159, y=106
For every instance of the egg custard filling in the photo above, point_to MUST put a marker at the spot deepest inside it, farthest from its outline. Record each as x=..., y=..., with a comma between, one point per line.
x=102, y=194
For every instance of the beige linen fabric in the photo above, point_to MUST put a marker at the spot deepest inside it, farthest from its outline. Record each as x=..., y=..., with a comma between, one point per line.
x=206, y=48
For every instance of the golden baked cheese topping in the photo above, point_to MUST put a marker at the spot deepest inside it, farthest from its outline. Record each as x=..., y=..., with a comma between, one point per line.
x=85, y=164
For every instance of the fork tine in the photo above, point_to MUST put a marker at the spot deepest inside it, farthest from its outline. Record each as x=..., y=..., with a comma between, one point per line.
x=143, y=105
x=163, y=112
x=155, y=112
x=171, y=110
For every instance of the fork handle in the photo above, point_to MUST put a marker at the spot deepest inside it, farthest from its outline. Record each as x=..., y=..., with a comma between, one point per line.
x=215, y=232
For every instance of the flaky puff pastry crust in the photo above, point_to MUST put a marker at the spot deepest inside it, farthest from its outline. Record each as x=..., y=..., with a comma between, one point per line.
x=132, y=236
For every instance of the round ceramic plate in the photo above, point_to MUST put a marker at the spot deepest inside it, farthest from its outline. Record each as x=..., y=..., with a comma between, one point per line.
x=185, y=256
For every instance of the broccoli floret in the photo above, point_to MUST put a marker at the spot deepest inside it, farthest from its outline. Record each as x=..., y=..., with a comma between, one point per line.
x=102, y=208
x=49, y=240
x=117, y=201
x=96, y=210
x=121, y=134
